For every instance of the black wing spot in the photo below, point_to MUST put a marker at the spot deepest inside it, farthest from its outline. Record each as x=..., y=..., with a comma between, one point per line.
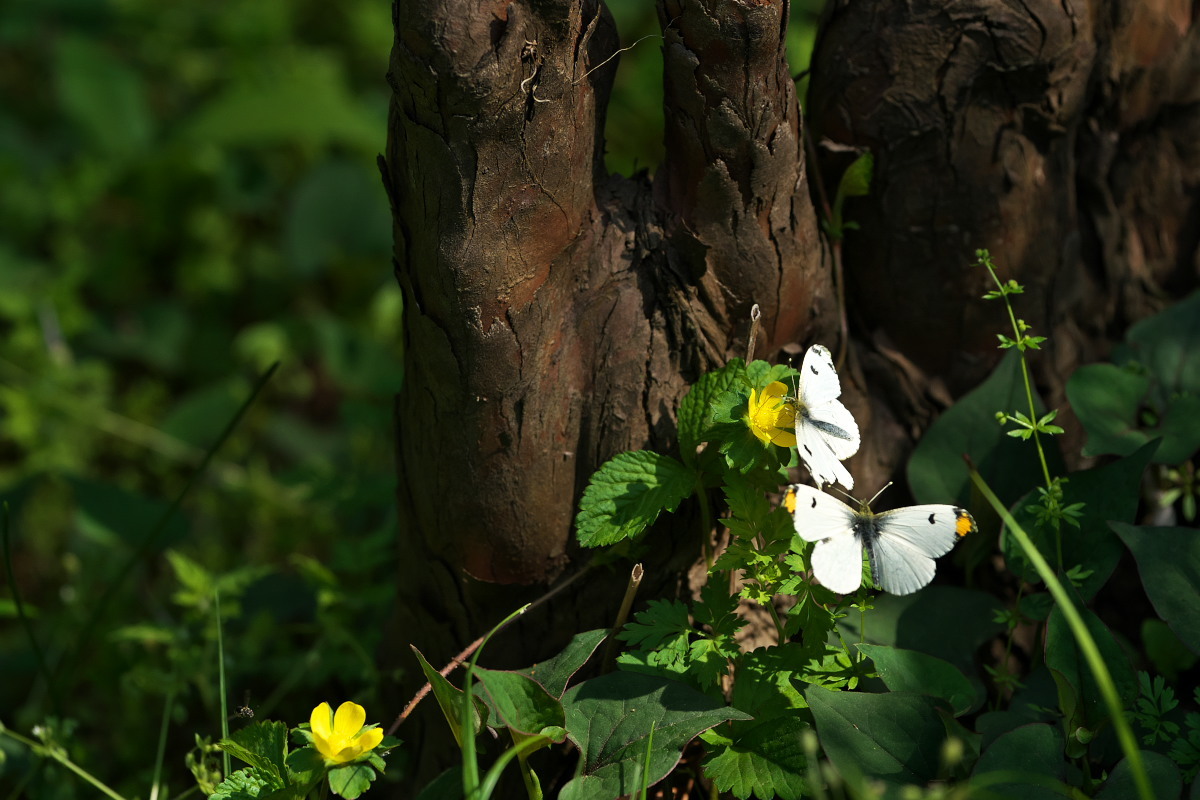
x=807, y=450
x=813, y=369
x=931, y=519
x=814, y=503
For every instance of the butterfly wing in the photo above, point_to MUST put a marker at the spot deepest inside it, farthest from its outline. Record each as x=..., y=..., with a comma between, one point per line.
x=818, y=379
x=815, y=451
x=909, y=539
x=826, y=432
x=821, y=518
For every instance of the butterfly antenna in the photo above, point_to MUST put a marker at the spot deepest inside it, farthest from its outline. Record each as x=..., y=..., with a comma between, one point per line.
x=876, y=495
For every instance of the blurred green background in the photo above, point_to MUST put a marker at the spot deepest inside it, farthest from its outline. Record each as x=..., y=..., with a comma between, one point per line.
x=188, y=194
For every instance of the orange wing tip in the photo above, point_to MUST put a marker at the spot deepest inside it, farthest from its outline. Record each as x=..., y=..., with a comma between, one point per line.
x=964, y=523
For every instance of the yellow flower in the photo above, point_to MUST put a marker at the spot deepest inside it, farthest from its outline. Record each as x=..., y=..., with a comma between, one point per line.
x=770, y=418
x=340, y=738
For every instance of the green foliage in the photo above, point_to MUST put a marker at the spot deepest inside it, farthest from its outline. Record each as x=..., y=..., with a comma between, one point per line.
x=627, y=494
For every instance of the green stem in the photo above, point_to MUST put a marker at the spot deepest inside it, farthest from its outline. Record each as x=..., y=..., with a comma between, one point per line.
x=162, y=744
x=221, y=680
x=1083, y=638
x=470, y=766
x=533, y=787
x=778, y=623
x=51, y=752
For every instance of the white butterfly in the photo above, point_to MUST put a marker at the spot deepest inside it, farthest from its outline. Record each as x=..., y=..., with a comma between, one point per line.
x=826, y=432
x=901, y=544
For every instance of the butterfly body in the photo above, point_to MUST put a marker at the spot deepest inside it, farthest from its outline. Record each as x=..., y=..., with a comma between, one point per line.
x=901, y=544
x=826, y=432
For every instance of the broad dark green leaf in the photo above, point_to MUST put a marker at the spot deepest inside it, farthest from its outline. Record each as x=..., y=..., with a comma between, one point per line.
x=554, y=673
x=1164, y=777
x=521, y=702
x=626, y=495
x=936, y=472
x=610, y=718
x=109, y=514
x=338, y=209
x=1018, y=759
x=1079, y=694
x=1109, y=493
x=895, y=737
x=1168, y=344
x=944, y=621
x=1168, y=561
x=911, y=671
x=765, y=759
x=856, y=180
x=1109, y=401
x=447, y=786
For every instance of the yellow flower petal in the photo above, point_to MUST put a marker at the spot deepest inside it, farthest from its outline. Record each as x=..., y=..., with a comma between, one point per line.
x=370, y=739
x=321, y=720
x=348, y=720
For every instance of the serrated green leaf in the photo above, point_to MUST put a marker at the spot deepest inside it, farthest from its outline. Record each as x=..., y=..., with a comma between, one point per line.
x=764, y=759
x=262, y=745
x=626, y=495
x=662, y=625
x=909, y=671
x=351, y=781
x=610, y=718
x=1168, y=562
x=894, y=737
x=245, y=784
x=695, y=409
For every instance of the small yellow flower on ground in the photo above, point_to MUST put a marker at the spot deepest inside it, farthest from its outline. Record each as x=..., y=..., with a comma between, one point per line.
x=770, y=418
x=339, y=737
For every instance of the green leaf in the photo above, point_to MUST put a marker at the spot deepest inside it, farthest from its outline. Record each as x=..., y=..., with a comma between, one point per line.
x=338, y=209
x=1166, y=652
x=1164, y=777
x=245, y=784
x=626, y=494
x=920, y=673
x=695, y=409
x=936, y=472
x=1110, y=492
x=447, y=786
x=263, y=746
x=299, y=97
x=765, y=759
x=1168, y=344
x=1109, y=400
x=449, y=699
x=894, y=737
x=1079, y=694
x=103, y=96
x=1033, y=750
x=944, y=621
x=1168, y=561
x=856, y=180
x=610, y=717
x=521, y=702
x=351, y=780
x=554, y=673
x=306, y=768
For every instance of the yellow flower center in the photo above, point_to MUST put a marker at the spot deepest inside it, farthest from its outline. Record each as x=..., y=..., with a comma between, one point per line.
x=770, y=417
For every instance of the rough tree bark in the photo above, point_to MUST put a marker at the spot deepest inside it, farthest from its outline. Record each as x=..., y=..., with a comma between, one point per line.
x=556, y=314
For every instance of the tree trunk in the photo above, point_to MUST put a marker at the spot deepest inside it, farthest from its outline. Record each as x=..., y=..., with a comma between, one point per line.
x=555, y=314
